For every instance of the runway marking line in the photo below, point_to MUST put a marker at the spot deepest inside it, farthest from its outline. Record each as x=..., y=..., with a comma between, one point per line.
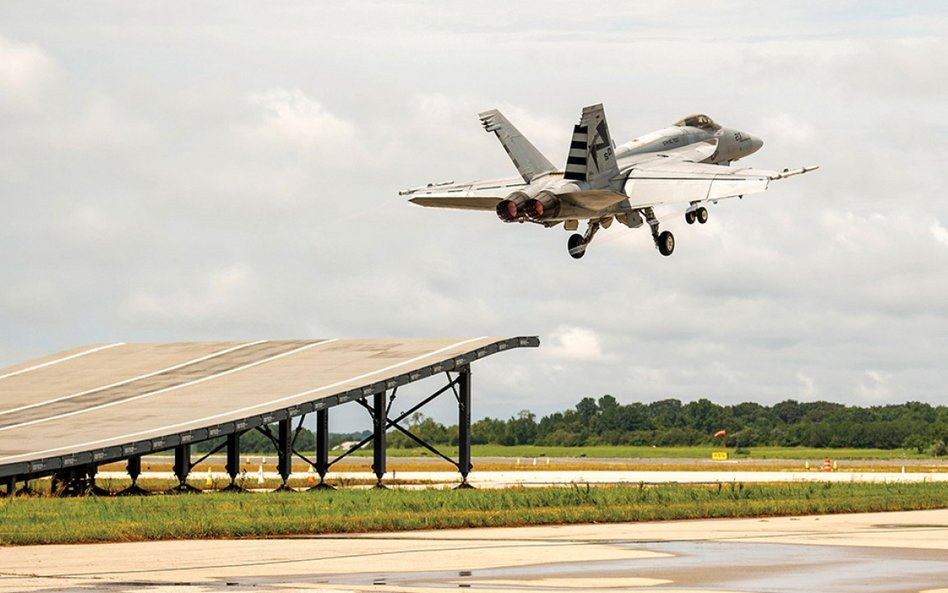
x=59, y=360
x=133, y=379
x=80, y=446
x=158, y=391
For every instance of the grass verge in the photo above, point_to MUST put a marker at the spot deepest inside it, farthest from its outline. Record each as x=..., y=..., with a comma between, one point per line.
x=92, y=519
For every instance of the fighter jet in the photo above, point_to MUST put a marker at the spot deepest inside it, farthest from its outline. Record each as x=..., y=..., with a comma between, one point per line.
x=689, y=163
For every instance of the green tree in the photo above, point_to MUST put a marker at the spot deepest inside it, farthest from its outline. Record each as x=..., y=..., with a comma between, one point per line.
x=587, y=409
x=521, y=430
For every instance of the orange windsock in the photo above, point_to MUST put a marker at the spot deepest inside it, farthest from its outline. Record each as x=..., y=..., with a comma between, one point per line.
x=720, y=433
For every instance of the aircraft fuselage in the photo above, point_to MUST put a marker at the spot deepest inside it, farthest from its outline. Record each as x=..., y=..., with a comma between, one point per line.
x=731, y=144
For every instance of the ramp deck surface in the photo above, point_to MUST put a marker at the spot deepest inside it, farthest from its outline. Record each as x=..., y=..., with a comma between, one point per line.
x=109, y=401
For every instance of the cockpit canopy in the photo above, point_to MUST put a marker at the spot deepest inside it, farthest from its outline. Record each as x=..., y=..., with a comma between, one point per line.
x=699, y=120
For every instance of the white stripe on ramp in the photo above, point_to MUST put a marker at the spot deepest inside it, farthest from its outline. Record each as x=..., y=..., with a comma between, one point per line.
x=59, y=360
x=127, y=381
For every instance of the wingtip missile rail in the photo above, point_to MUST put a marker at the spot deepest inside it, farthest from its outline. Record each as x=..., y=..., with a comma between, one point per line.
x=790, y=173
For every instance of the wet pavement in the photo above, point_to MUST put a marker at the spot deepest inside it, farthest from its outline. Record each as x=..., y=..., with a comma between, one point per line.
x=700, y=566
x=880, y=552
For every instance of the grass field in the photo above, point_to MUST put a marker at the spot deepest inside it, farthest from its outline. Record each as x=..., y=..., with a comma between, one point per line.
x=46, y=520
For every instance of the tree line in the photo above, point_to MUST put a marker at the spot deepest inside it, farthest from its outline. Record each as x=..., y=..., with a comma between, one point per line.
x=669, y=422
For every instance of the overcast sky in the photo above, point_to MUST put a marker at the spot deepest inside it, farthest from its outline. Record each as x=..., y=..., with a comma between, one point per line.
x=212, y=170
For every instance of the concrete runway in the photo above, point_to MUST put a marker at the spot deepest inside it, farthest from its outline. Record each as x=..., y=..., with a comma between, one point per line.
x=876, y=552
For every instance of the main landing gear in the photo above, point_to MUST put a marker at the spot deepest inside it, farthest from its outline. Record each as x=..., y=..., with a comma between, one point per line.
x=577, y=243
x=699, y=214
x=664, y=241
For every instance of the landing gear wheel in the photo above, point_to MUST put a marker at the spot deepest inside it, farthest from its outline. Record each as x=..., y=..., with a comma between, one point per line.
x=666, y=243
x=702, y=214
x=577, y=246
x=690, y=216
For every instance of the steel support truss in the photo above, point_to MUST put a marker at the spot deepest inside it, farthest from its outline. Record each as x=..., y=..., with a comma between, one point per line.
x=379, y=409
x=459, y=384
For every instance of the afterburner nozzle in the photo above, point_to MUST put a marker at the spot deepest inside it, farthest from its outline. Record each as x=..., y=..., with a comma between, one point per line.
x=545, y=205
x=510, y=209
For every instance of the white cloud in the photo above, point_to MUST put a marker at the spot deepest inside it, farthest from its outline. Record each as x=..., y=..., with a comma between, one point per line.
x=807, y=388
x=910, y=66
x=95, y=121
x=575, y=343
x=726, y=373
x=440, y=136
x=875, y=388
x=940, y=233
x=291, y=119
x=36, y=299
x=785, y=129
x=25, y=73
x=222, y=295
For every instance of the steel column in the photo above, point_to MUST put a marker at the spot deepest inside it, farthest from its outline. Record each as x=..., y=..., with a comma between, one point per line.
x=182, y=467
x=322, y=444
x=379, y=426
x=91, y=470
x=233, y=462
x=134, y=468
x=10, y=483
x=464, y=424
x=233, y=456
x=285, y=450
x=182, y=463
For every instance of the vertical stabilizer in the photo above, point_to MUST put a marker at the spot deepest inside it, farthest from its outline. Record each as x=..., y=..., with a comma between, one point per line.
x=591, y=155
x=529, y=161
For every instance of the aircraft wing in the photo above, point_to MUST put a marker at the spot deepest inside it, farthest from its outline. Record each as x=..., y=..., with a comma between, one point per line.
x=475, y=195
x=660, y=182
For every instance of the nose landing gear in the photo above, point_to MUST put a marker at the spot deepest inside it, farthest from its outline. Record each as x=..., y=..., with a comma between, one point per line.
x=699, y=214
x=702, y=214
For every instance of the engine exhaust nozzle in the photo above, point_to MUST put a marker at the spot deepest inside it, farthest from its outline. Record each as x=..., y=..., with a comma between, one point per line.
x=510, y=209
x=545, y=205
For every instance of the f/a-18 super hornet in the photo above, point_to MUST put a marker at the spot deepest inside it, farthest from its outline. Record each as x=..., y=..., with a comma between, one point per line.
x=689, y=163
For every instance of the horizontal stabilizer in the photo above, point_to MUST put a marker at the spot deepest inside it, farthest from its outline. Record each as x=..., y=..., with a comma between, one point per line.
x=458, y=203
x=476, y=195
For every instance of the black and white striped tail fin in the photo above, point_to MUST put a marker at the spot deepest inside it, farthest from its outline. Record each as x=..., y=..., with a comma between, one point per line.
x=591, y=155
x=576, y=161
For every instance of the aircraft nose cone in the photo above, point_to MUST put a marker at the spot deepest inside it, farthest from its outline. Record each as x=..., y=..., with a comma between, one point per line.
x=756, y=143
